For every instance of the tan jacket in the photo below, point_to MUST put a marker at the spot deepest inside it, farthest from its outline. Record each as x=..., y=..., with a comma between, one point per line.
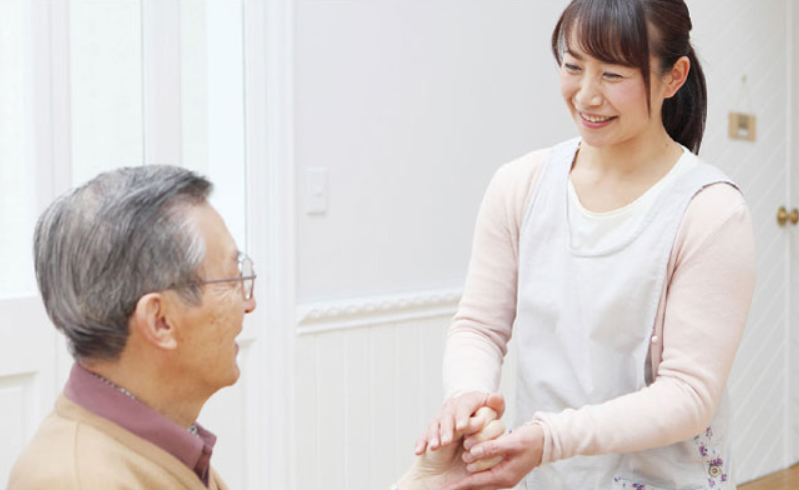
x=75, y=449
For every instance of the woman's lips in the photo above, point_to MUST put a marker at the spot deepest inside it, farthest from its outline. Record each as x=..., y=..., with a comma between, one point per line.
x=594, y=121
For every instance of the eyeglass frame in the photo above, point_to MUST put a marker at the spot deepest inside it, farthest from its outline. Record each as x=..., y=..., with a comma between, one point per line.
x=242, y=257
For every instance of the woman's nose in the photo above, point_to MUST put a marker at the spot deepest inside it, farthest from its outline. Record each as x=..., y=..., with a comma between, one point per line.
x=588, y=94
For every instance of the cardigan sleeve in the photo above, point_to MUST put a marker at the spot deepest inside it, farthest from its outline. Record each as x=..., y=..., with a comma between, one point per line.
x=479, y=333
x=704, y=307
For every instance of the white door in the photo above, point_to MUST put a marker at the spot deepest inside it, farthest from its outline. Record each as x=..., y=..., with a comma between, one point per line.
x=29, y=347
x=88, y=86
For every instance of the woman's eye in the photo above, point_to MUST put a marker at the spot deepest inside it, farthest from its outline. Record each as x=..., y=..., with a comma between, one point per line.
x=570, y=67
x=613, y=76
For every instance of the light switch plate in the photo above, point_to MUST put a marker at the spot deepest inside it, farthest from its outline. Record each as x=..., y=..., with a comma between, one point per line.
x=316, y=190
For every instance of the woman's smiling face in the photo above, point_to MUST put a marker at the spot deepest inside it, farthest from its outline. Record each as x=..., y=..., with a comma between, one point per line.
x=609, y=101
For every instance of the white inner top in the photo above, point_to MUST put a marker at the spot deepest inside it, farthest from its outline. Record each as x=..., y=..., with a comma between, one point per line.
x=592, y=231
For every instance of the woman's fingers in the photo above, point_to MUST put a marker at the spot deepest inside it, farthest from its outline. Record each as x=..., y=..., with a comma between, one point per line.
x=496, y=402
x=492, y=430
x=446, y=427
x=519, y=453
x=421, y=444
x=484, y=464
x=459, y=416
x=465, y=406
x=479, y=421
x=428, y=439
x=466, y=403
x=490, y=449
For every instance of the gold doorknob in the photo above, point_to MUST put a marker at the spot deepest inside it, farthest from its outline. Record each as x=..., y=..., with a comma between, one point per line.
x=783, y=216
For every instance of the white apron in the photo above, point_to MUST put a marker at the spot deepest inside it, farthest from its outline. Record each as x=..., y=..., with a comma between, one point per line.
x=583, y=326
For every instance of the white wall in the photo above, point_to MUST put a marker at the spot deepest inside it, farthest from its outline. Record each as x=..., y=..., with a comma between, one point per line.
x=410, y=106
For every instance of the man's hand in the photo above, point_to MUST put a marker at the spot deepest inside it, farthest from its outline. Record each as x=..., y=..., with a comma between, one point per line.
x=435, y=469
x=456, y=416
x=520, y=452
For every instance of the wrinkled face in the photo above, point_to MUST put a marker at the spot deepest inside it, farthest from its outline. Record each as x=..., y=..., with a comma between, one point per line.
x=608, y=102
x=207, y=332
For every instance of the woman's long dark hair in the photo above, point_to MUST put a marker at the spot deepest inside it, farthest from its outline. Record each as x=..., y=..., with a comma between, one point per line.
x=627, y=32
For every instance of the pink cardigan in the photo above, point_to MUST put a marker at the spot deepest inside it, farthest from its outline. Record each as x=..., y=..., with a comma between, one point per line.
x=701, y=317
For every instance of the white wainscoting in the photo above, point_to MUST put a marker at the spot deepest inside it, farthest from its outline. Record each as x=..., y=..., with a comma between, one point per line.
x=20, y=417
x=368, y=380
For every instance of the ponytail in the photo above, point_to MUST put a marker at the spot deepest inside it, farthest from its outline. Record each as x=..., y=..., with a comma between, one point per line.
x=685, y=113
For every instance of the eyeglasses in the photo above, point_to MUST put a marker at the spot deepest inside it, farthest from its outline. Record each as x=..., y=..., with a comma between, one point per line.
x=246, y=276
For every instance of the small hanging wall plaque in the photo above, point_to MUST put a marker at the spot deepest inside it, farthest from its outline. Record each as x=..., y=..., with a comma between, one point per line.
x=743, y=126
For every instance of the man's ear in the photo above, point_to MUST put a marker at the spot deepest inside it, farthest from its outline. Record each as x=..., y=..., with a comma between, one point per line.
x=151, y=320
x=677, y=76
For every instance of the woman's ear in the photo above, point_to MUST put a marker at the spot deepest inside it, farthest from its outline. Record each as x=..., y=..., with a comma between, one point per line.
x=675, y=78
x=151, y=320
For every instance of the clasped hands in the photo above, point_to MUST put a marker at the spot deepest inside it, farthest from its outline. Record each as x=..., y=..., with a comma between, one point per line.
x=465, y=448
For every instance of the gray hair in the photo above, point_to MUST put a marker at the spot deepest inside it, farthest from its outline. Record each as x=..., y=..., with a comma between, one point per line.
x=102, y=246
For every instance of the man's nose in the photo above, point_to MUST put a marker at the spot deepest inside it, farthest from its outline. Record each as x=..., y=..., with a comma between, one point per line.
x=249, y=305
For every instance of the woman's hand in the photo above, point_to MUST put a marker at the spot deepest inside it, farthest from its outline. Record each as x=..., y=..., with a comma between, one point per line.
x=435, y=469
x=456, y=417
x=519, y=451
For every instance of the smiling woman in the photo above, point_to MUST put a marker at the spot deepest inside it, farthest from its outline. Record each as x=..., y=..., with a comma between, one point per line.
x=623, y=265
x=651, y=47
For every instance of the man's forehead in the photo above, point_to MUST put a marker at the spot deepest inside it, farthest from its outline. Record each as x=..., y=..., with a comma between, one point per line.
x=220, y=245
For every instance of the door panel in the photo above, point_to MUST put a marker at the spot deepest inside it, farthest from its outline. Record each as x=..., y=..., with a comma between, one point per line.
x=27, y=341
x=87, y=113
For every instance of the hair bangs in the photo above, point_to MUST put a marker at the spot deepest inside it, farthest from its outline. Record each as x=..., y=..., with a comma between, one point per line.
x=611, y=31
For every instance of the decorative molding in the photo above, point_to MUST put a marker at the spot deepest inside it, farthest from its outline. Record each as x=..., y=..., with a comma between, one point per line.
x=269, y=65
x=376, y=310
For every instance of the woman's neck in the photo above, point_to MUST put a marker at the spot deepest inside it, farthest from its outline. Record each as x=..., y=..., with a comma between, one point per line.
x=608, y=178
x=647, y=155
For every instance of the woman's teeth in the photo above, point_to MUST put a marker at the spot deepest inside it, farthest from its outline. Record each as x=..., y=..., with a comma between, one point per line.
x=595, y=119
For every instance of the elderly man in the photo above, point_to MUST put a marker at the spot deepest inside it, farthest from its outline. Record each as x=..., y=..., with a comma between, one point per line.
x=143, y=278
x=141, y=275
